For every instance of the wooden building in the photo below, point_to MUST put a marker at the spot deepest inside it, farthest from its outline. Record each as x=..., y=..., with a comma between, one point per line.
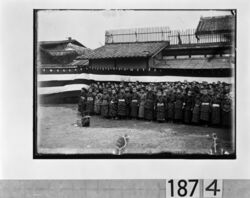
x=137, y=55
x=58, y=53
x=206, y=50
x=220, y=26
x=146, y=55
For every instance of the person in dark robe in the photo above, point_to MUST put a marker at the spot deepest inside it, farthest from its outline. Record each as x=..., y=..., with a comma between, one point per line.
x=165, y=96
x=82, y=102
x=105, y=104
x=196, y=110
x=188, y=107
x=205, y=108
x=178, y=107
x=113, y=105
x=149, y=105
x=216, y=110
x=122, y=106
x=226, y=112
x=170, y=107
x=134, y=104
x=97, y=104
x=128, y=101
x=90, y=102
x=142, y=104
x=160, y=107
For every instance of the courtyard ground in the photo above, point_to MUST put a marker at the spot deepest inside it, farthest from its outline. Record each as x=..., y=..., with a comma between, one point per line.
x=57, y=133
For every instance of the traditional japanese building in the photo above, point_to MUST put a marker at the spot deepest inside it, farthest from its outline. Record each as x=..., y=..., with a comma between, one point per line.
x=206, y=53
x=59, y=53
x=136, y=55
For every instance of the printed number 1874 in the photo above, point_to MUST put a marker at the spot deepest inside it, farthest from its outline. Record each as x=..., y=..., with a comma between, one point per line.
x=192, y=188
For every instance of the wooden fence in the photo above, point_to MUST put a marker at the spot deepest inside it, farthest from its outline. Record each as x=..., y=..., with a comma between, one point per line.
x=175, y=37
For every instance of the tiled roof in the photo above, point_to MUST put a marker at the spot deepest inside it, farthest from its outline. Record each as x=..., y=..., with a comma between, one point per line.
x=197, y=63
x=123, y=50
x=218, y=24
x=73, y=41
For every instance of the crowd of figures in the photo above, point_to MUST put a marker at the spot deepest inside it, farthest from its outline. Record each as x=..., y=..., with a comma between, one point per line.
x=180, y=102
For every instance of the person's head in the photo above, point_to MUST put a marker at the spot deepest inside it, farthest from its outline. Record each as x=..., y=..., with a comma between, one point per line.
x=126, y=89
x=113, y=91
x=159, y=93
x=205, y=92
x=134, y=90
x=164, y=93
x=122, y=90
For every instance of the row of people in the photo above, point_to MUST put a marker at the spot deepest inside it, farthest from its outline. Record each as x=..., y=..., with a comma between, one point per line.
x=182, y=104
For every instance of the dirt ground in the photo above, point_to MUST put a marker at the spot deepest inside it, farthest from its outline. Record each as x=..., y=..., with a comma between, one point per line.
x=57, y=133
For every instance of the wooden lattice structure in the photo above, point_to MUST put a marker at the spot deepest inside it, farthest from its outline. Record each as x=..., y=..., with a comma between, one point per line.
x=175, y=37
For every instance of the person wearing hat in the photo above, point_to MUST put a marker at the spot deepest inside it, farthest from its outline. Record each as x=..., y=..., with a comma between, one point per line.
x=134, y=105
x=188, y=107
x=90, y=102
x=149, y=105
x=105, y=104
x=142, y=96
x=205, y=107
x=160, y=107
x=122, y=110
x=178, y=107
x=82, y=102
x=113, y=105
x=196, y=110
x=216, y=110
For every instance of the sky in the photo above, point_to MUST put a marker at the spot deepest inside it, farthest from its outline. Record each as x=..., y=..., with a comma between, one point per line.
x=89, y=26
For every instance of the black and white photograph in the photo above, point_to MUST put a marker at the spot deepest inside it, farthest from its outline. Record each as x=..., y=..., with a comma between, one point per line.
x=186, y=188
x=135, y=83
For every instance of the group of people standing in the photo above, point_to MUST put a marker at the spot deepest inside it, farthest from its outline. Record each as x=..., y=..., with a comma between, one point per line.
x=179, y=102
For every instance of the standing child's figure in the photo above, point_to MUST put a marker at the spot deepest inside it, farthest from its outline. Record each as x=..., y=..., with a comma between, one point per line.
x=97, y=105
x=142, y=103
x=105, y=104
x=90, y=102
x=113, y=105
x=160, y=108
x=196, y=110
x=134, y=105
x=205, y=108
